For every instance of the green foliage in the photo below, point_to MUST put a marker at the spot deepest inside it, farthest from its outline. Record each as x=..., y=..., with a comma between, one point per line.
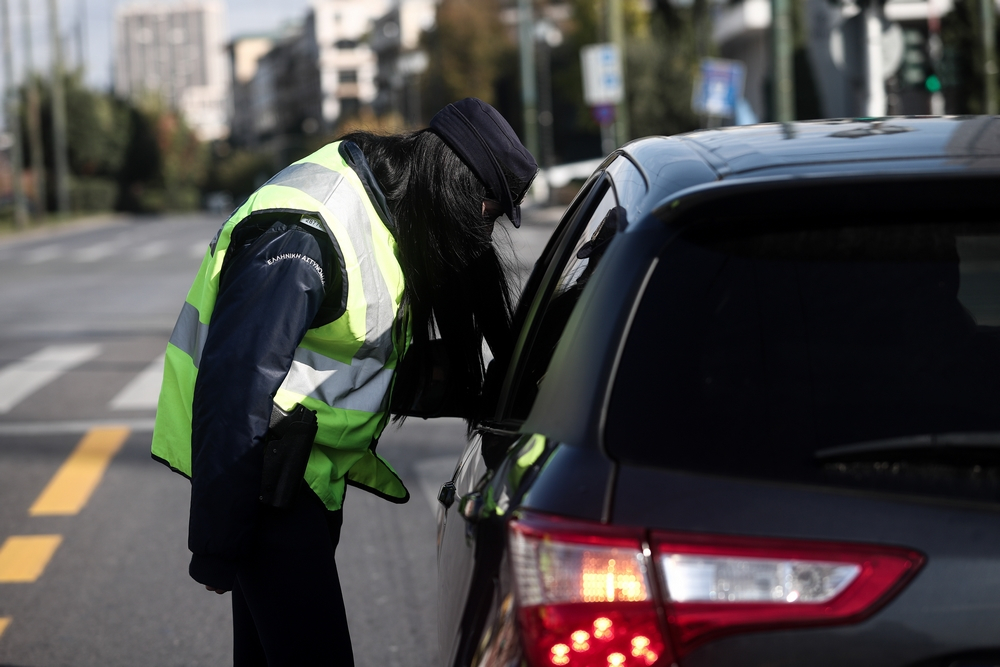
x=963, y=78
x=97, y=130
x=238, y=172
x=661, y=69
x=93, y=194
x=465, y=49
x=122, y=155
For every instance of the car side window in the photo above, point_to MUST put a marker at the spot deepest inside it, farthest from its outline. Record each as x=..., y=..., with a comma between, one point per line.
x=601, y=220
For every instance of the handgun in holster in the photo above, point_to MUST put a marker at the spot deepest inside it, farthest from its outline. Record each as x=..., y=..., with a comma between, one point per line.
x=289, y=440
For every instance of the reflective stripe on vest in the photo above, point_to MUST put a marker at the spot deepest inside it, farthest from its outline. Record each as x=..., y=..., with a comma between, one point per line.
x=342, y=370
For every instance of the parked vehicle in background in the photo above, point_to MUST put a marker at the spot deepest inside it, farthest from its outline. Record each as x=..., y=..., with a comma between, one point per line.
x=752, y=416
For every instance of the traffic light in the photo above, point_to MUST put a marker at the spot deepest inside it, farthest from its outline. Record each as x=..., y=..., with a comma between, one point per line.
x=919, y=69
x=916, y=69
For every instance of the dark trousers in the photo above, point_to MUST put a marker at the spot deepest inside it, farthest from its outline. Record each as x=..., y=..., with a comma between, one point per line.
x=288, y=608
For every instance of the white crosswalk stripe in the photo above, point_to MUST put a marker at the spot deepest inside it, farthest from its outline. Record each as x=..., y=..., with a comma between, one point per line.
x=41, y=254
x=95, y=252
x=142, y=392
x=151, y=250
x=117, y=249
x=23, y=378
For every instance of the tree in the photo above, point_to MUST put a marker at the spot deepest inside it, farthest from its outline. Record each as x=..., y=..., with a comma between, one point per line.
x=126, y=156
x=962, y=70
x=465, y=50
x=662, y=67
x=166, y=165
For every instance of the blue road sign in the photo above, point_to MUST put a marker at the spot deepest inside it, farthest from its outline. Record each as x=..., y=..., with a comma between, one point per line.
x=602, y=74
x=718, y=87
x=603, y=114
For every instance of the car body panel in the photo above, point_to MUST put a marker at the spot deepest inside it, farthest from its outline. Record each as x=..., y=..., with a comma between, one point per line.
x=667, y=184
x=792, y=145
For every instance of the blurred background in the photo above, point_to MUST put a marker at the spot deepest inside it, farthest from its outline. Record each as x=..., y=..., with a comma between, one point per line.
x=157, y=106
x=144, y=124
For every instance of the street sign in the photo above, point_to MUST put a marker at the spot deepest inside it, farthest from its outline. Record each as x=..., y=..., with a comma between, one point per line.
x=718, y=86
x=602, y=74
x=603, y=114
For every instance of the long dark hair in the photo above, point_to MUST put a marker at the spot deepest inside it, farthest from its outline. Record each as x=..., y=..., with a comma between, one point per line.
x=458, y=285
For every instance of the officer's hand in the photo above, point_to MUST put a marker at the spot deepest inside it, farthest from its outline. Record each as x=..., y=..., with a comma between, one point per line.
x=217, y=591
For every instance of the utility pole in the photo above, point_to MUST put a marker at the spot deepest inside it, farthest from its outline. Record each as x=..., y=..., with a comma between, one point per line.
x=875, y=98
x=58, y=112
x=529, y=88
x=545, y=40
x=34, y=117
x=616, y=33
x=935, y=51
x=989, y=56
x=783, y=92
x=83, y=37
x=13, y=122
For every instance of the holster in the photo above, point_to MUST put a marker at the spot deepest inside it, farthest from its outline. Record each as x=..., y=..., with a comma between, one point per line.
x=290, y=438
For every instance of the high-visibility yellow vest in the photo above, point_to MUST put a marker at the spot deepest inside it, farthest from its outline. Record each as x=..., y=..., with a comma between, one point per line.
x=342, y=370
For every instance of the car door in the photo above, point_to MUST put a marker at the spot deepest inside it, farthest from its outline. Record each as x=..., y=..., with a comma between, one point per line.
x=469, y=549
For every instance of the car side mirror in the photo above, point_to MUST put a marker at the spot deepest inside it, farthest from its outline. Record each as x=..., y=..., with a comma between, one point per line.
x=426, y=385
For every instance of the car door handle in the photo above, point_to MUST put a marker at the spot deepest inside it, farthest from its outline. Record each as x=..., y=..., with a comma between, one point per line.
x=470, y=506
x=446, y=496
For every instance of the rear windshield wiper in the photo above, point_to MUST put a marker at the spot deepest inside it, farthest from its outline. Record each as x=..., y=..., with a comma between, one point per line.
x=979, y=448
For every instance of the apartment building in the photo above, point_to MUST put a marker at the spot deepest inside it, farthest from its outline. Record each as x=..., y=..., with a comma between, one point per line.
x=176, y=51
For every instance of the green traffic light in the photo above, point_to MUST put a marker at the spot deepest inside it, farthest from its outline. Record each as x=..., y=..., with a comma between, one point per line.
x=933, y=83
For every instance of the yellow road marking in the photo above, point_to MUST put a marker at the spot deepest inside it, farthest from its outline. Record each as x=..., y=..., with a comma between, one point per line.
x=74, y=482
x=4, y=622
x=23, y=557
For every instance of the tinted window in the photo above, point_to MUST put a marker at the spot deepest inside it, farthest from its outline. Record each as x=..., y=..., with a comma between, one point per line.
x=630, y=185
x=583, y=253
x=751, y=352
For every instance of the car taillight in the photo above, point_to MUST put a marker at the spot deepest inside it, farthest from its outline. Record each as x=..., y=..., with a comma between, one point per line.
x=718, y=585
x=590, y=595
x=584, y=595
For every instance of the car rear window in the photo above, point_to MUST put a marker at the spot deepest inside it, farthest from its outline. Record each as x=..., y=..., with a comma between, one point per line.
x=862, y=354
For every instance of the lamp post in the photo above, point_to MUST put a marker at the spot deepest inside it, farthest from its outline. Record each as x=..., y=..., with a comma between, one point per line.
x=547, y=36
x=529, y=90
x=58, y=112
x=989, y=55
x=781, y=61
x=616, y=35
x=33, y=113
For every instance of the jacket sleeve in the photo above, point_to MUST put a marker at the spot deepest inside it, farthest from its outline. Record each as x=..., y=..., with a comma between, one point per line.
x=270, y=291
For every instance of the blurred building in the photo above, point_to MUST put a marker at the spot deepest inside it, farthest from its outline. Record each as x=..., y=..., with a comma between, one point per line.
x=244, y=54
x=176, y=51
x=347, y=63
x=396, y=43
x=837, y=36
x=307, y=77
x=276, y=90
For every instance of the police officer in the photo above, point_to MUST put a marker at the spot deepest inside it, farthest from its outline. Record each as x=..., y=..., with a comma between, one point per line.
x=305, y=303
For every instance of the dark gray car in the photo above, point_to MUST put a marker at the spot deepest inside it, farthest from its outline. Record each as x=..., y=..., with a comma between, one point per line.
x=753, y=412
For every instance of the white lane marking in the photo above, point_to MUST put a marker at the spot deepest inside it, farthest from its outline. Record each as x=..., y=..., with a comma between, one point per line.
x=42, y=254
x=95, y=252
x=68, y=427
x=23, y=378
x=432, y=473
x=150, y=250
x=143, y=390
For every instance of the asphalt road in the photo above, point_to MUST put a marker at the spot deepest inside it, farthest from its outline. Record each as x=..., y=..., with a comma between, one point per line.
x=93, y=556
